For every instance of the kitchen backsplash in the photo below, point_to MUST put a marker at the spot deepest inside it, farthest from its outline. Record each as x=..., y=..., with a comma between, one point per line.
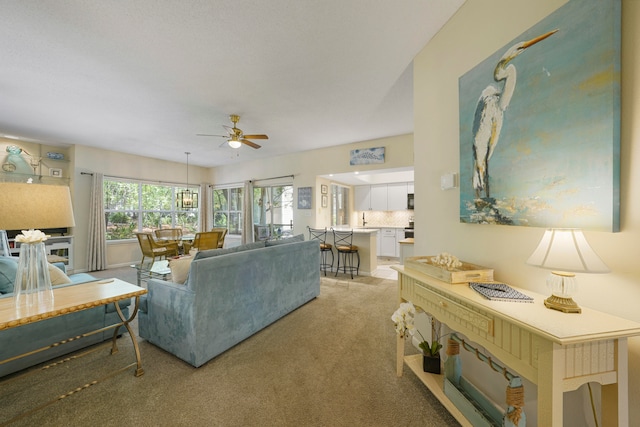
x=384, y=218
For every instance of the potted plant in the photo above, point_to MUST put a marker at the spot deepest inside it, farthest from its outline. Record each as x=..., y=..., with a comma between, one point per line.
x=430, y=354
x=403, y=318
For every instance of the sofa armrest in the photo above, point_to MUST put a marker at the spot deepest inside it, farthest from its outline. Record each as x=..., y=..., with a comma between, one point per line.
x=167, y=317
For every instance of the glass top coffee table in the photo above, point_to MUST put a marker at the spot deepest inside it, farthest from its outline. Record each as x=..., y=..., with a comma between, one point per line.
x=159, y=269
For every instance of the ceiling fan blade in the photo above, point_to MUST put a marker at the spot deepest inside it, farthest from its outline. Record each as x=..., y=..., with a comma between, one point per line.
x=256, y=136
x=249, y=143
x=207, y=134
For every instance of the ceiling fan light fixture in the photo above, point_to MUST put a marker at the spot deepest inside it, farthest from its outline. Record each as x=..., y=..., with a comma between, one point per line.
x=234, y=143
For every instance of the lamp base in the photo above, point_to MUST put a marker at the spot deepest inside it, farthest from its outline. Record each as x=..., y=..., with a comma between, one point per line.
x=566, y=305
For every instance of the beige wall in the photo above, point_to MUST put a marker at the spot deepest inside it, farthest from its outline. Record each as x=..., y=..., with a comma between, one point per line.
x=307, y=165
x=466, y=40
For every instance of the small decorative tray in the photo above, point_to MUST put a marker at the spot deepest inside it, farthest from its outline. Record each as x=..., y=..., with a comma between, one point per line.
x=463, y=274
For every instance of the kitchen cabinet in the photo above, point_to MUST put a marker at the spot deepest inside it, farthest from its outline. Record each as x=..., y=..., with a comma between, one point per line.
x=379, y=197
x=397, y=196
x=382, y=197
x=399, y=236
x=362, y=199
x=388, y=242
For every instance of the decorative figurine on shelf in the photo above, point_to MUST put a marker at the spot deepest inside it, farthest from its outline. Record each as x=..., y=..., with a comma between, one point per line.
x=16, y=162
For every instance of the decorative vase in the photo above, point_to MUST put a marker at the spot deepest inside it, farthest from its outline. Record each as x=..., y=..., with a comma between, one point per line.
x=32, y=288
x=431, y=364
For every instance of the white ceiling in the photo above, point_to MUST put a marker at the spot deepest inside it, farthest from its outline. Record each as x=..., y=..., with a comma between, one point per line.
x=145, y=76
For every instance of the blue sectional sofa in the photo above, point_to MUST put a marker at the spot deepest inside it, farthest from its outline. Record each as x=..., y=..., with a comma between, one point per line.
x=229, y=295
x=20, y=340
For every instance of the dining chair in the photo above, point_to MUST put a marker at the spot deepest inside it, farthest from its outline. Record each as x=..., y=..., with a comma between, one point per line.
x=169, y=235
x=152, y=249
x=203, y=240
x=223, y=233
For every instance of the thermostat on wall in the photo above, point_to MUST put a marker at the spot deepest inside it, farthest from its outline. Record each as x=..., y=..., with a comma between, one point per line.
x=448, y=181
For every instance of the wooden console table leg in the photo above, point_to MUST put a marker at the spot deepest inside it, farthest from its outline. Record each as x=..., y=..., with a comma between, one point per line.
x=615, y=397
x=551, y=362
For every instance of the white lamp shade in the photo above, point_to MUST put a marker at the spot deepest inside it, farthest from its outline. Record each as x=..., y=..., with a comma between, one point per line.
x=35, y=206
x=566, y=250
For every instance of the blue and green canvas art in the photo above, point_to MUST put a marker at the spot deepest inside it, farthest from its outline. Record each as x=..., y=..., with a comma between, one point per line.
x=540, y=125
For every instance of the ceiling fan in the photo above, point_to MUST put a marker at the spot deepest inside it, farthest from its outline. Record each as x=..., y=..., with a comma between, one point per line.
x=236, y=137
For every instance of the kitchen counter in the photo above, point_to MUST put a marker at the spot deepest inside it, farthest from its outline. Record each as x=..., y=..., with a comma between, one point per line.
x=406, y=249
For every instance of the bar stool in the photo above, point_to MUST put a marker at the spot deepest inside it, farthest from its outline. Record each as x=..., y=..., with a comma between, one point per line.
x=343, y=241
x=321, y=235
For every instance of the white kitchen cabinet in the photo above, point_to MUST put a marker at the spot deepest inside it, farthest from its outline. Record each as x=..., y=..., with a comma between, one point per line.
x=399, y=236
x=362, y=200
x=379, y=197
x=397, y=196
x=388, y=242
x=410, y=188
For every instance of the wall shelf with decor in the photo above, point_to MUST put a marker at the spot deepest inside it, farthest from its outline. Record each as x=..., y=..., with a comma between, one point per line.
x=37, y=179
x=57, y=248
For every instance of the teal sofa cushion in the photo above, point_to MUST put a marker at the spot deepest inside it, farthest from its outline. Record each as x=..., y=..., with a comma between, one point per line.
x=296, y=238
x=217, y=252
x=8, y=268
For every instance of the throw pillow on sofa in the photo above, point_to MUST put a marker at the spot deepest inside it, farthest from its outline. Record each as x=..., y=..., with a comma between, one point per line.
x=8, y=268
x=180, y=269
x=57, y=276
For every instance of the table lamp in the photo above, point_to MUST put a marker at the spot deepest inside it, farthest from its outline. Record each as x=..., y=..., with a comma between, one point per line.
x=565, y=251
x=27, y=207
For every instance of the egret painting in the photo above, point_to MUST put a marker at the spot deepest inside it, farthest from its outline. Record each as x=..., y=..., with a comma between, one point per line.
x=540, y=125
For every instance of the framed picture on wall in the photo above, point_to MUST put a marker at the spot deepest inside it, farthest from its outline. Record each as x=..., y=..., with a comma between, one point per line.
x=304, y=198
x=324, y=189
x=324, y=200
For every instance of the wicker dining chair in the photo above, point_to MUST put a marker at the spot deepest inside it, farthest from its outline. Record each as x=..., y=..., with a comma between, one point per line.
x=153, y=249
x=169, y=235
x=203, y=240
x=223, y=233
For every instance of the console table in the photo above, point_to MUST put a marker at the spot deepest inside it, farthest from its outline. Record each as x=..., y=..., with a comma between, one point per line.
x=69, y=299
x=557, y=351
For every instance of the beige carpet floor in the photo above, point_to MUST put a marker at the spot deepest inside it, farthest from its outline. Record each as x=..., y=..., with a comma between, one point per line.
x=329, y=363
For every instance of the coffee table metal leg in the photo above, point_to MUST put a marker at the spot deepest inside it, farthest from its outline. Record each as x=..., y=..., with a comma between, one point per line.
x=125, y=322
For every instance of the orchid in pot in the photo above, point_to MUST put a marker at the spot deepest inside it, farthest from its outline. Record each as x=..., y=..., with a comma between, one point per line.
x=403, y=318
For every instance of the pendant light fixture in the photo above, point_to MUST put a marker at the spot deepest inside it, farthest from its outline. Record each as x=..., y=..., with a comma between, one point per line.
x=187, y=199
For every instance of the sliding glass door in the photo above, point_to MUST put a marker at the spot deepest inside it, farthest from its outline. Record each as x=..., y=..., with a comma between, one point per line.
x=273, y=211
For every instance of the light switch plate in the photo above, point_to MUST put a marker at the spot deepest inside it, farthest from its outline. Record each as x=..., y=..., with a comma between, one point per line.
x=448, y=181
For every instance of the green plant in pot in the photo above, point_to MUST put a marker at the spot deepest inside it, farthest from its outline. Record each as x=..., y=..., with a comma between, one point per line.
x=430, y=354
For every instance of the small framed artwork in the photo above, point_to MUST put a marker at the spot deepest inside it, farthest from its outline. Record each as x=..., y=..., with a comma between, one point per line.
x=56, y=173
x=304, y=198
x=324, y=189
x=324, y=200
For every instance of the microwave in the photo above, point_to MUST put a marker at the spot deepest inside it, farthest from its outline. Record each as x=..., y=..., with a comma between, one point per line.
x=410, y=201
